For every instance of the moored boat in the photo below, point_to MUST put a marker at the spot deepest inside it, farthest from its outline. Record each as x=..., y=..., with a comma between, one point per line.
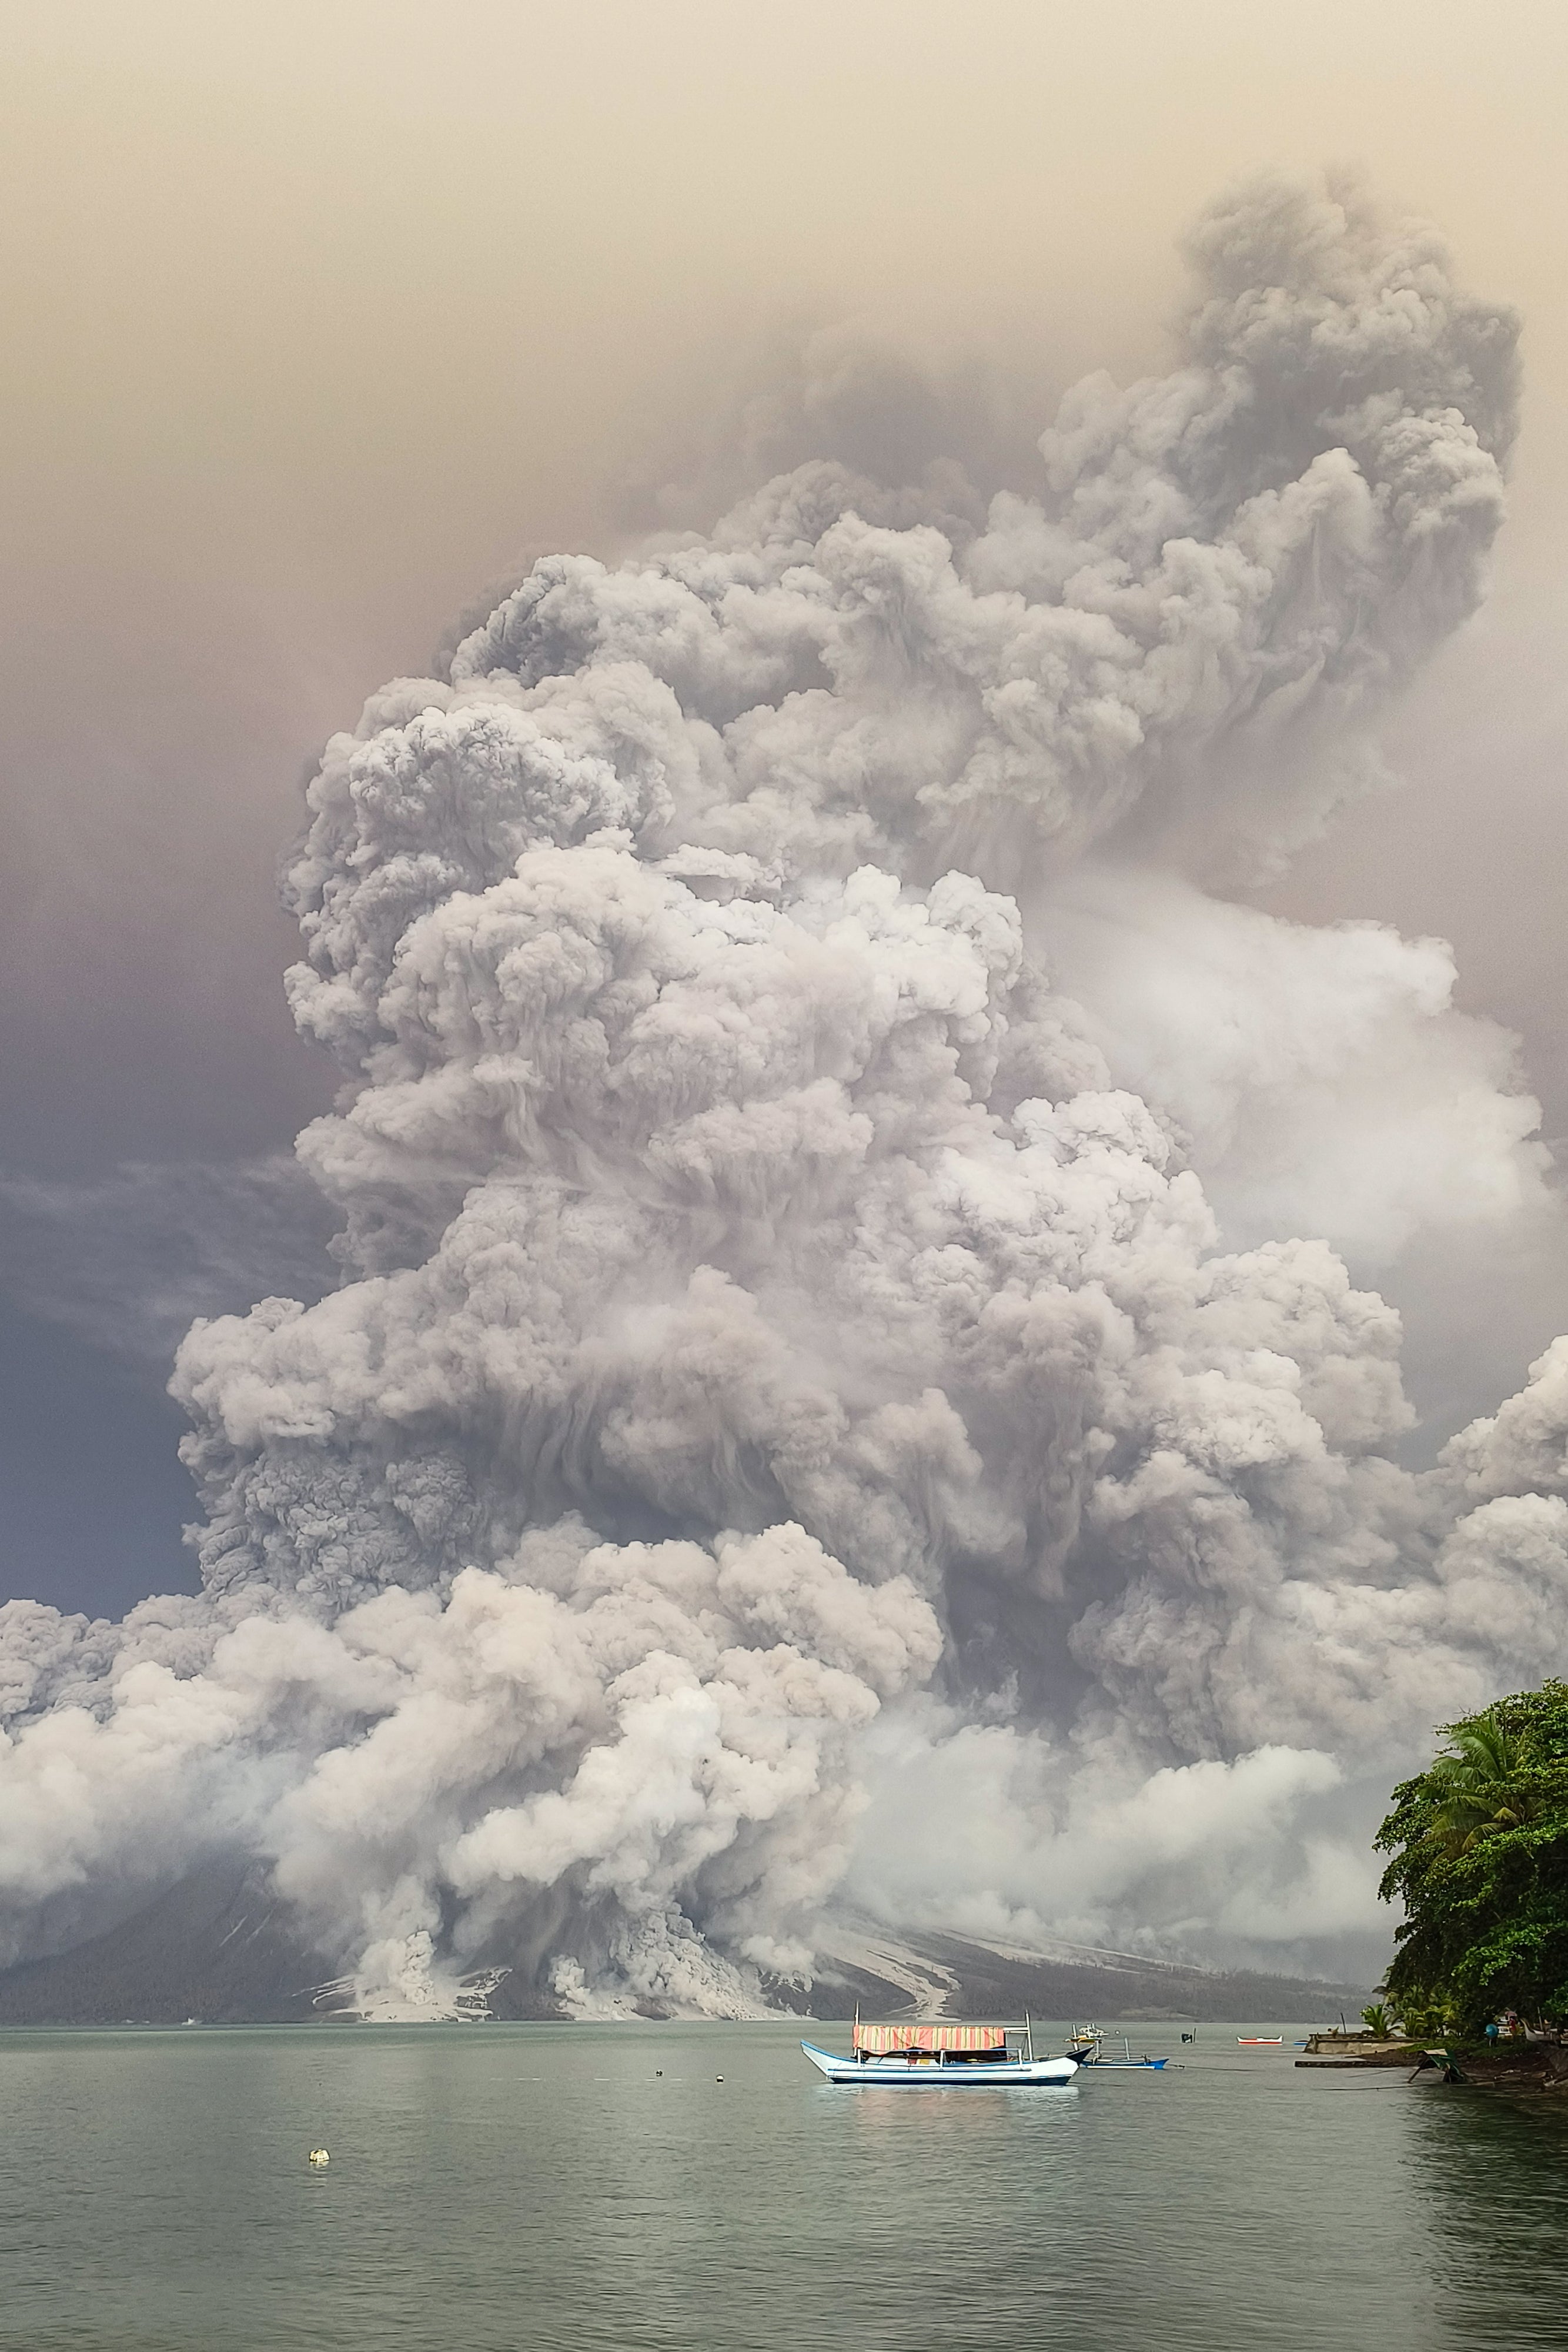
x=943, y=2057
x=1088, y=2046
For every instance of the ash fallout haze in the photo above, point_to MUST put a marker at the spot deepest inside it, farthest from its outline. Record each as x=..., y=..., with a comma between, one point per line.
x=836, y=1355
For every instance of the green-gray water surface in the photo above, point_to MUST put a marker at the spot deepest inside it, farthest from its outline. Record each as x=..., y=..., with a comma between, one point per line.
x=507, y=2189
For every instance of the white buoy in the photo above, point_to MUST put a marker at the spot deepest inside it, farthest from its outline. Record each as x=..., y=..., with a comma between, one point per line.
x=320, y=2156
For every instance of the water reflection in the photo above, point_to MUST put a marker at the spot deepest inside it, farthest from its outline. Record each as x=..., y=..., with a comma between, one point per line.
x=524, y=2188
x=1495, y=2169
x=916, y=2117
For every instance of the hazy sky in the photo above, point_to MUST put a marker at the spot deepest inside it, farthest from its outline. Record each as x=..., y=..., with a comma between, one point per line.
x=324, y=317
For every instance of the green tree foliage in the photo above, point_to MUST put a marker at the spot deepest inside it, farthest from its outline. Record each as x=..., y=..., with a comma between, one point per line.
x=1479, y=1848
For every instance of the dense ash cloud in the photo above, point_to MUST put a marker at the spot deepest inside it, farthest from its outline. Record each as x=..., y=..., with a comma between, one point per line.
x=792, y=1428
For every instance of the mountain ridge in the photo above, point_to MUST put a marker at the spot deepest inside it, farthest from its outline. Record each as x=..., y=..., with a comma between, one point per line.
x=221, y=1948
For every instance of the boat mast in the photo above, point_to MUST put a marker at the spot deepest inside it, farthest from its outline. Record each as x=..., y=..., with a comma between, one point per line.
x=1029, y=2031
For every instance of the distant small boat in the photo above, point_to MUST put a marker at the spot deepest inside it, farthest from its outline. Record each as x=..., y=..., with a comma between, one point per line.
x=1261, y=2041
x=942, y=2058
x=1088, y=2046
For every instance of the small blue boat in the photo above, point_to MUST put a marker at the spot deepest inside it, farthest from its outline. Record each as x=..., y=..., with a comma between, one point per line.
x=943, y=2058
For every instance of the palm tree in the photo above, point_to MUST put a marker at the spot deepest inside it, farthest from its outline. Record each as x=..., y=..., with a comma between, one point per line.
x=1483, y=1784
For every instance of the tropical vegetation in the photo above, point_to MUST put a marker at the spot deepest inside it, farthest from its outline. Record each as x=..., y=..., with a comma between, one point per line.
x=1479, y=1859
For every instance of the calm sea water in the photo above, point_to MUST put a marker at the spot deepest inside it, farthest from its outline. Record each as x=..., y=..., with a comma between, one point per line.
x=498, y=2188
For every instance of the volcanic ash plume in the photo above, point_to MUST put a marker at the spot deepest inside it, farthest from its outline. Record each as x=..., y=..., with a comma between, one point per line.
x=778, y=1370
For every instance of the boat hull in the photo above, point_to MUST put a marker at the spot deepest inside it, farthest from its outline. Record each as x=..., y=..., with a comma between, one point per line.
x=897, y=2075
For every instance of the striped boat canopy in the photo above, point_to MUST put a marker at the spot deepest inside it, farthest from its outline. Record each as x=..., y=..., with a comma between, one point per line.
x=881, y=2039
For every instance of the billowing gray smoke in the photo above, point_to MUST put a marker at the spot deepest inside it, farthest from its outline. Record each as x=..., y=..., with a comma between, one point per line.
x=791, y=1428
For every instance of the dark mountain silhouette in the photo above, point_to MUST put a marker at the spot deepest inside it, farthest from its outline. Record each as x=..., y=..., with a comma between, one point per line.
x=221, y=1948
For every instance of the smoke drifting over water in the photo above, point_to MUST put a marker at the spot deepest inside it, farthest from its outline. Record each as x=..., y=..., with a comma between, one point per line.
x=792, y=1430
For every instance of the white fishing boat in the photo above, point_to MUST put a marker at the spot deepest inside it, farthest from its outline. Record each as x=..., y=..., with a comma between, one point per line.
x=943, y=2057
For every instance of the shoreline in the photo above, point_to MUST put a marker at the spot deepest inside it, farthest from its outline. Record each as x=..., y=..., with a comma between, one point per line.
x=1513, y=2065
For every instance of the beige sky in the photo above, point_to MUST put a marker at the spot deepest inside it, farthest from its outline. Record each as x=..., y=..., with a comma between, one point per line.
x=321, y=314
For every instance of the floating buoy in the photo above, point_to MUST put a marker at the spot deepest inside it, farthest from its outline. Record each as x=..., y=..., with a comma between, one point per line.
x=718, y=2078
x=320, y=2156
